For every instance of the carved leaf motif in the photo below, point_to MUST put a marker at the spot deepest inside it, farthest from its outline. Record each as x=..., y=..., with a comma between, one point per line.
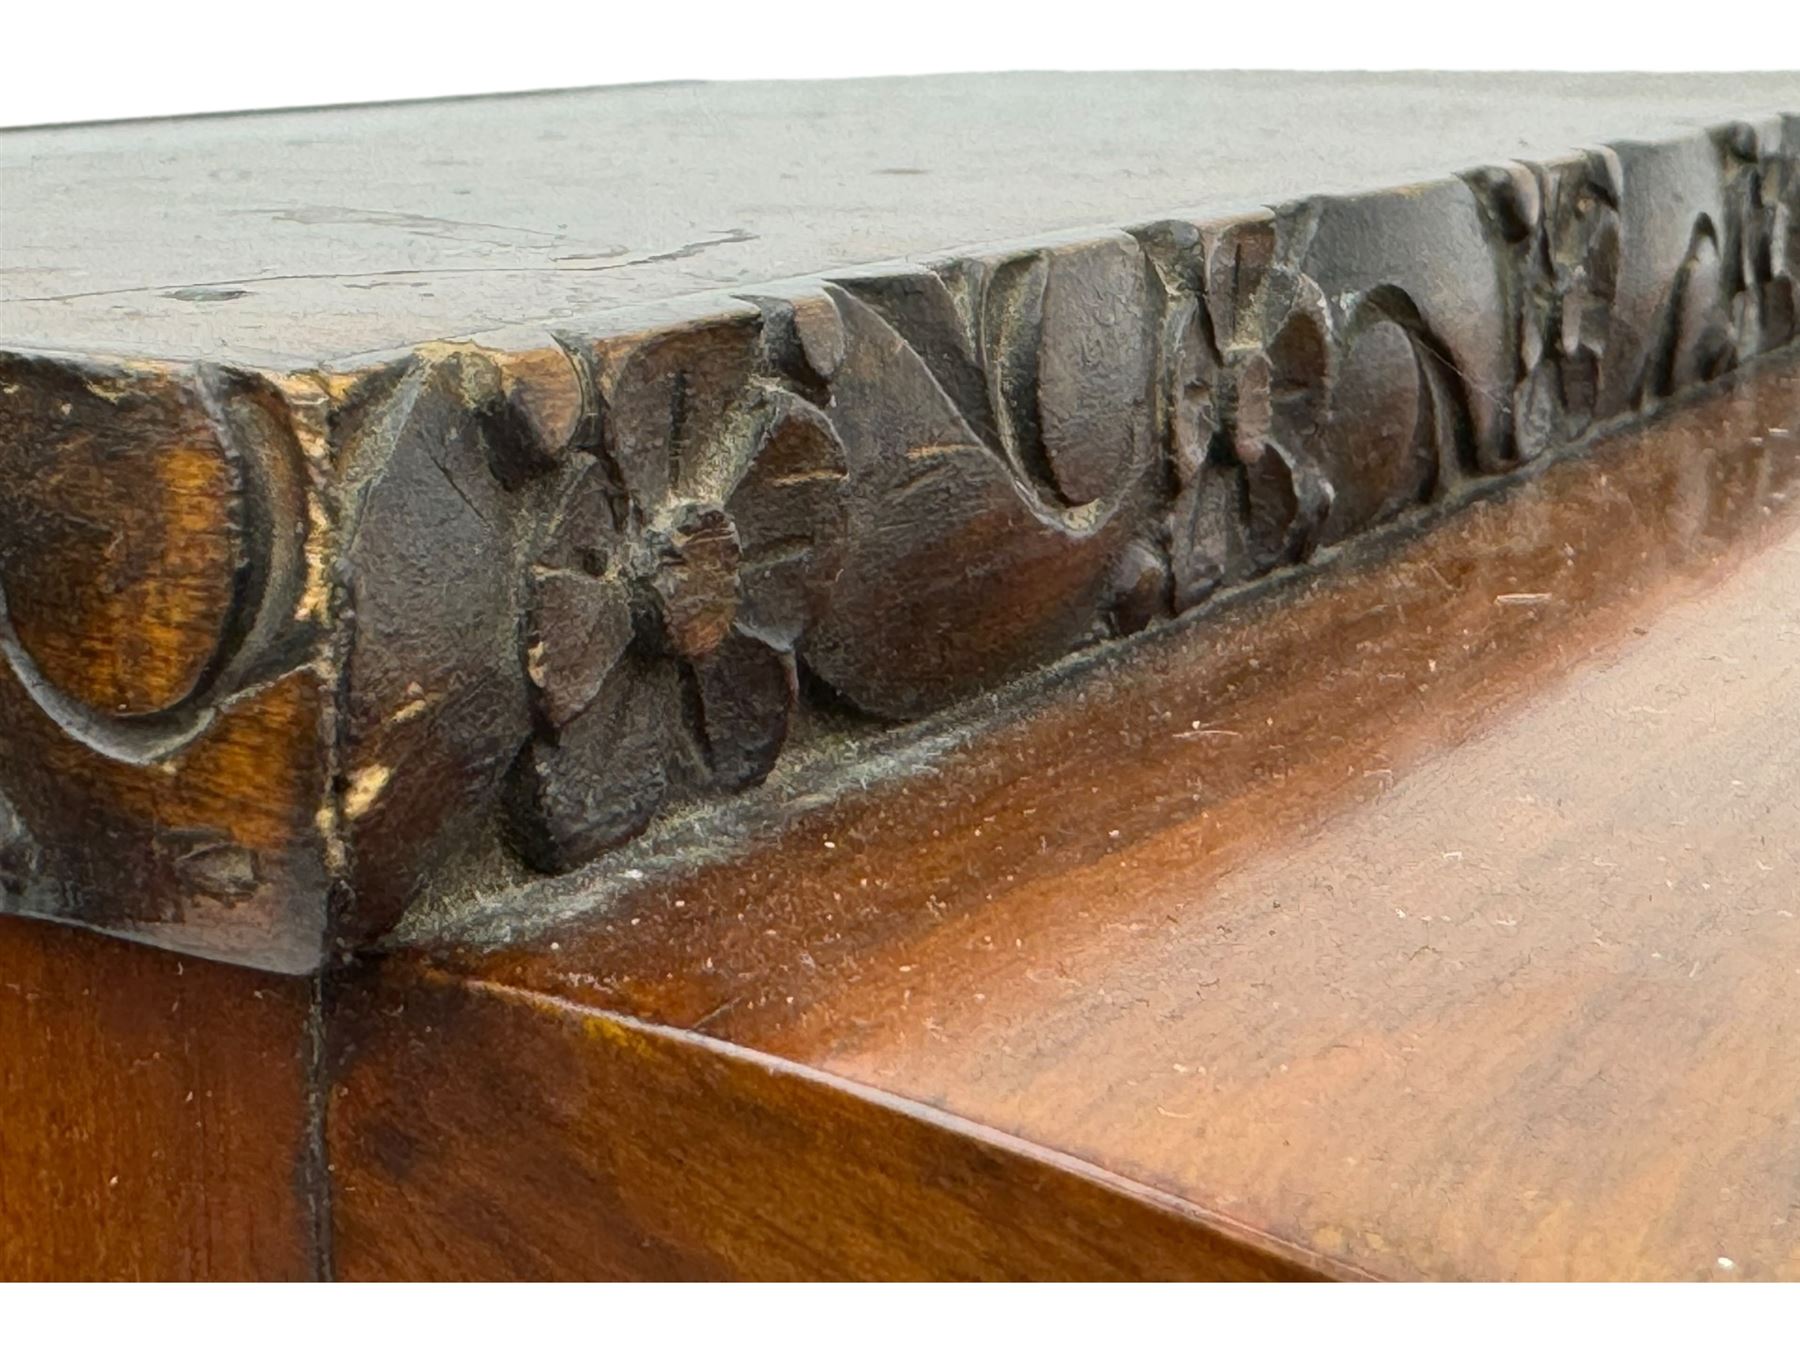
x=1696, y=332
x=747, y=691
x=996, y=417
x=667, y=408
x=1043, y=359
x=578, y=627
x=789, y=511
x=1382, y=457
x=1398, y=417
x=1734, y=293
x=433, y=689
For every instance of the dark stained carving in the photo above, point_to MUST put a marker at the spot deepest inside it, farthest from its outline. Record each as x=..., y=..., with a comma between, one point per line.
x=311, y=648
x=428, y=446
x=1732, y=294
x=19, y=858
x=1383, y=443
x=1294, y=420
x=996, y=420
x=1762, y=201
x=1562, y=237
x=684, y=559
x=1695, y=337
x=1247, y=347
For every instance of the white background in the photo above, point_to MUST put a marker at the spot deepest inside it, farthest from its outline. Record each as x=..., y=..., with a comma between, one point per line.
x=81, y=61
x=900, y=1317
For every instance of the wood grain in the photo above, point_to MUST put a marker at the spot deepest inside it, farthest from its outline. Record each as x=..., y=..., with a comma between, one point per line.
x=1432, y=914
x=545, y=576
x=480, y=1132
x=124, y=534
x=155, y=1114
x=165, y=725
x=1190, y=965
x=1173, y=744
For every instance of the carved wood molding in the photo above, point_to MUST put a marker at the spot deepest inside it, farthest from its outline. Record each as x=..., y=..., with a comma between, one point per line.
x=287, y=651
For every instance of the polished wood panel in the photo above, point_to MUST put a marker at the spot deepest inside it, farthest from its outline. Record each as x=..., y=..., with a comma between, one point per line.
x=483, y=1132
x=155, y=1114
x=1433, y=913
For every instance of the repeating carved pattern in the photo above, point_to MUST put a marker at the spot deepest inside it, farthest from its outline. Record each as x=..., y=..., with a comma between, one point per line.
x=561, y=589
x=1046, y=446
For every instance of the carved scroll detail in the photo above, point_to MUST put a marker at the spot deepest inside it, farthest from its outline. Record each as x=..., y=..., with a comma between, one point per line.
x=492, y=604
x=1732, y=295
x=1017, y=454
x=997, y=424
x=152, y=554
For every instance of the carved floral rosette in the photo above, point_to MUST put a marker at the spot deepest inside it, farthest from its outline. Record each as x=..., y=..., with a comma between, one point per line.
x=546, y=592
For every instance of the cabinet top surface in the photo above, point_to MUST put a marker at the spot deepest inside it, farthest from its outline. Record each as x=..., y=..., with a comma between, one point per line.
x=324, y=235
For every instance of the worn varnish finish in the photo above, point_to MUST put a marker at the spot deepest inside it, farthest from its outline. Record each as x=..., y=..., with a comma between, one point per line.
x=1462, y=944
x=298, y=643
x=1484, y=970
x=1233, y=735
x=156, y=1117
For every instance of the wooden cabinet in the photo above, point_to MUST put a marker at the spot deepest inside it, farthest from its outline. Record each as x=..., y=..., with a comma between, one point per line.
x=1193, y=692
